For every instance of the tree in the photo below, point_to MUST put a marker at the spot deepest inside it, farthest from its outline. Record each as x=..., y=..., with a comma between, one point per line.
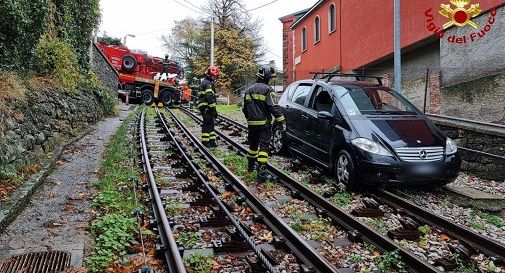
x=238, y=46
x=233, y=14
x=187, y=43
x=109, y=40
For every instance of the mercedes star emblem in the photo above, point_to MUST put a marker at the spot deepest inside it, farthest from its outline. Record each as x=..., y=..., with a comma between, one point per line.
x=423, y=154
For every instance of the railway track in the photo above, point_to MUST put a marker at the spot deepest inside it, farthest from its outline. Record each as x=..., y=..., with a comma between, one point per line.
x=205, y=226
x=394, y=199
x=338, y=219
x=464, y=242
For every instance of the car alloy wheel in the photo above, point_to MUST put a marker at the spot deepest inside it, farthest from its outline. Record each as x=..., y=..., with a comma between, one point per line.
x=343, y=169
x=277, y=141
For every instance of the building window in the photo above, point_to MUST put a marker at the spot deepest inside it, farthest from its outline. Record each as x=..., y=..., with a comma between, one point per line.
x=304, y=39
x=317, y=29
x=332, y=18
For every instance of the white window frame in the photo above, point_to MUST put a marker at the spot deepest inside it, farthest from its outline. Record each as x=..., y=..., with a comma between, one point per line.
x=304, y=39
x=317, y=27
x=330, y=31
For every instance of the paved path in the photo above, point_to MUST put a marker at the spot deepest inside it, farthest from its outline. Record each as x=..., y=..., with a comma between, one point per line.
x=58, y=216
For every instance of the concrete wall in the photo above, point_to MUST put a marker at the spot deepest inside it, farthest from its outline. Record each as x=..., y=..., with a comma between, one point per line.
x=104, y=69
x=473, y=74
x=478, y=137
x=414, y=65
x=43, y=119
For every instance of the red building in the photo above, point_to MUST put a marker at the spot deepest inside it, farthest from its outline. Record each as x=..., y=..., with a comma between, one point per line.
x=349, y=35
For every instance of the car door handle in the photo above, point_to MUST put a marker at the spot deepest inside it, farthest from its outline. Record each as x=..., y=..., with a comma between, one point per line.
x=305, y=116
x=287, y=107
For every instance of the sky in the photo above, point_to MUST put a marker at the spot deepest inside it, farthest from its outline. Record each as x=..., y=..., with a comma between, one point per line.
x=149, y=19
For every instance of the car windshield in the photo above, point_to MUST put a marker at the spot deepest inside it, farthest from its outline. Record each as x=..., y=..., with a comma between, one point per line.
x=373, y=101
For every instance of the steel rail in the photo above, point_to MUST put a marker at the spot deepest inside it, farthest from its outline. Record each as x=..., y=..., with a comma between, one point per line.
x=171, y=251
x=484, y=244
x=297, y=244
x=341, y=217
x=216, y=198
x=495, y=125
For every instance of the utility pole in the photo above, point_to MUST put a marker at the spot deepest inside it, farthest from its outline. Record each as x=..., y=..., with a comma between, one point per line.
x=397, y=48
x=212, y=41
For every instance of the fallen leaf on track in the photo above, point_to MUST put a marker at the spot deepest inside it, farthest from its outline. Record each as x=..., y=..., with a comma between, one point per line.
x=444, y=237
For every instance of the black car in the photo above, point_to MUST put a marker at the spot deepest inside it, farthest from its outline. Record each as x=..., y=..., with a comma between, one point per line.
x=365, y=134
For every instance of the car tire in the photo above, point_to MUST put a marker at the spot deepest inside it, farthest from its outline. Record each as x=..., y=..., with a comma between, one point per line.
x=278, y=141
x=345, y=171
x=166, y=97
x=128, y=63
x=147, y=96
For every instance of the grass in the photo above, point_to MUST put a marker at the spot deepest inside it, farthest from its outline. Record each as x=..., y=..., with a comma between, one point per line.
x=377, y=225
x=320, y=229
x=114, y=201
x=462, y=268
x=490, y=218
x=12, y=89
x=225, y=109
x=199, y=263
x=391, y=262
x=342, y=197
x=476, y=226
x=188, y=239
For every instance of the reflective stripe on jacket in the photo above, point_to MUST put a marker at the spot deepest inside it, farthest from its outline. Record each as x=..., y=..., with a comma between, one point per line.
x=206, y=94
x=259, y=105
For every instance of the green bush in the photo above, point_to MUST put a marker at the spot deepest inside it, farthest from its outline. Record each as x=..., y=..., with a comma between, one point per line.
x=22, y=24
x=25, y=21
x=54, y=57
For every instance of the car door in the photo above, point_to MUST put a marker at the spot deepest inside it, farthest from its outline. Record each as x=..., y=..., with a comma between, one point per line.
x=319, y=131
x=294, y=108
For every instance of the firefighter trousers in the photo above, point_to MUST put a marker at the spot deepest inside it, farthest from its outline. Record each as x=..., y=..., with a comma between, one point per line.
x=209, y=118
x=259, y=144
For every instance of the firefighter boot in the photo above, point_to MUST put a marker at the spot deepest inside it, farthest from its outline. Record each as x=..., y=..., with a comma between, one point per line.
x=263, y=175
x=212, y=143
x=251, y=163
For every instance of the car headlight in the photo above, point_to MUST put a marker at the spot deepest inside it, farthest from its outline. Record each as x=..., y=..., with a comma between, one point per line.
x=450, y=147
x=371, y=146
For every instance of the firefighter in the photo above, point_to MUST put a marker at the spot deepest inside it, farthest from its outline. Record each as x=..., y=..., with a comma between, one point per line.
x=259, y=107
x=165, y=64
x=207, y=106
x=186, y=91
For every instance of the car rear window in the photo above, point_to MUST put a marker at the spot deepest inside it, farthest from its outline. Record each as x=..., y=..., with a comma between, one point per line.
x=301, y=93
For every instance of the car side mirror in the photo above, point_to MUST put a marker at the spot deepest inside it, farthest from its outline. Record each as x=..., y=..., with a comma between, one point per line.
x=325, y=115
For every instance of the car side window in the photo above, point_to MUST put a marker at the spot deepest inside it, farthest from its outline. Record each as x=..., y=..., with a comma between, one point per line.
x=290, y=90
x=321, y=100
x=301, y=93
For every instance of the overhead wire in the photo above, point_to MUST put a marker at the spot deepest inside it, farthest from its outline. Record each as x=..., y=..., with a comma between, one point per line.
x=188, y=7
x=167, y=28
x=262, y=6
x=192, y=4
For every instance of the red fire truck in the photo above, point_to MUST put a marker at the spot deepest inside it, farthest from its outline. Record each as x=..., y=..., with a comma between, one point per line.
x=137, y=72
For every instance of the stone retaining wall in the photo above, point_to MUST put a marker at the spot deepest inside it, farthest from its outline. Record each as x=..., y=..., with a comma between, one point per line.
x=45, y=118
x=104, y=69
x=480, y=137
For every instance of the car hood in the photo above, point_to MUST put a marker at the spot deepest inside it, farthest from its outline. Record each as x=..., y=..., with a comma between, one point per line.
x=397, y=132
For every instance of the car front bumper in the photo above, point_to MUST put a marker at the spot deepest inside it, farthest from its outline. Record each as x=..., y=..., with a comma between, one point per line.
x=394, y=172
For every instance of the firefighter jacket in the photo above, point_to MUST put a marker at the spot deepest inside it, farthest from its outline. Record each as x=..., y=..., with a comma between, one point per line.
x=260, y=106
x=206, y=95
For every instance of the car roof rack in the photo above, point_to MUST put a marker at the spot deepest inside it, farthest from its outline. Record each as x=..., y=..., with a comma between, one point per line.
x=330, y=75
